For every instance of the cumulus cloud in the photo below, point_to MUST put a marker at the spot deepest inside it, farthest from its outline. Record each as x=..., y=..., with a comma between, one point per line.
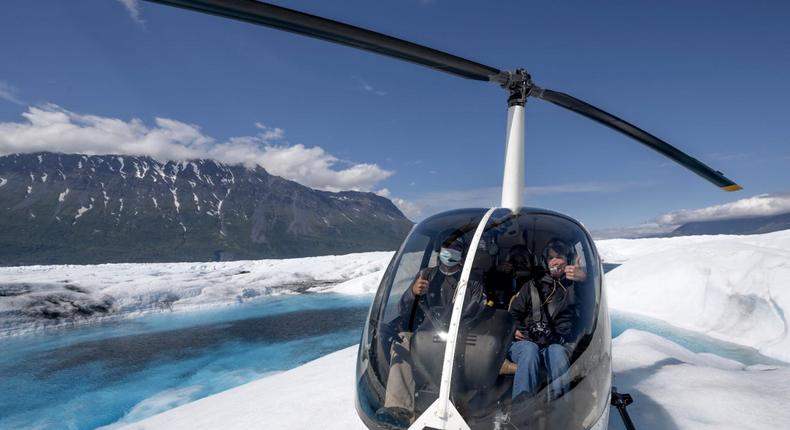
x=9, y=93
x=52, y=128
x=133, y=7
x=760, y=205
x=412, y=210
x=751, y=207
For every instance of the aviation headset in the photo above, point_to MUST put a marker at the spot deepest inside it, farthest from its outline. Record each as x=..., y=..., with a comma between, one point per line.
x=561, y=247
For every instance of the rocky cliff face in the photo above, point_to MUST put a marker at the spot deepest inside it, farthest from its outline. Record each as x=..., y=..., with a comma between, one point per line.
x=67, y=208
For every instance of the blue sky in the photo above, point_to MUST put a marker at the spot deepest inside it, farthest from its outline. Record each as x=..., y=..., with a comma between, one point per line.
x=709, y=77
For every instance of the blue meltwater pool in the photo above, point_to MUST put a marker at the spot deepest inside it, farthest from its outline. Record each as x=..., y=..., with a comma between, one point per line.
x=92, y=376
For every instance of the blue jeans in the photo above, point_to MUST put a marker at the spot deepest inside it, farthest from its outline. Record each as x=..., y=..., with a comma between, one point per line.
x=529, y=358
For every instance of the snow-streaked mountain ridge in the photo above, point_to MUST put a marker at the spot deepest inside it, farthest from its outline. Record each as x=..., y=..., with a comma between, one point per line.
x=71, y=208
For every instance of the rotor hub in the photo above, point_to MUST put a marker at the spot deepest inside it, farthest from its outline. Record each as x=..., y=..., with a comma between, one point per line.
x=519, y=84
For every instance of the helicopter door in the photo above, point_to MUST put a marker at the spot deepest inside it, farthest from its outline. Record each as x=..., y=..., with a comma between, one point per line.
x=394, y=384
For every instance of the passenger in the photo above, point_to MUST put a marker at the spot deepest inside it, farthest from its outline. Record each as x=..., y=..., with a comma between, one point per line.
x=432, y=289
x=545, y=311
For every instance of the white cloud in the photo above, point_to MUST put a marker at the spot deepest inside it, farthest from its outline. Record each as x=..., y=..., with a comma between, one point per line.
x=9, y=93
x=757, y=206
x=412, y=210
x=314, y=167
x=384, y=192
x=52, y=128
x=269, y=134
x=363, y=85
x=760, y=205
x=133, y=7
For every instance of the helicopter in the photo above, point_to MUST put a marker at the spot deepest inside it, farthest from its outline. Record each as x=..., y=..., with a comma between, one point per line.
x=445, y=362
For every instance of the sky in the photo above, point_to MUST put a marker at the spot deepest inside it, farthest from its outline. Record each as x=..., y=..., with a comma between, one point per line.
x=131, y=77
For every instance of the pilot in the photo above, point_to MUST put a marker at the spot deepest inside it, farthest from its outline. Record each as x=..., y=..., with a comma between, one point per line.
x=545, y=311
x=433, y=289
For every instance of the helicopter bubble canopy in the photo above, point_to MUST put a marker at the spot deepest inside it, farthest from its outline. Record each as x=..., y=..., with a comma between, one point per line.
x=516, y=333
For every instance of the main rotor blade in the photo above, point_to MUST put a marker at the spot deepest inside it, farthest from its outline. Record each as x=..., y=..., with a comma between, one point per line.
x=664, y=148
x=333, y=31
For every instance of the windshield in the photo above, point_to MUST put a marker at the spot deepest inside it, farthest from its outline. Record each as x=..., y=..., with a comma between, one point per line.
x=533, y=339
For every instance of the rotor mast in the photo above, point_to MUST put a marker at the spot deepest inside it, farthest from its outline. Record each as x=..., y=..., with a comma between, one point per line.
x=520, y=86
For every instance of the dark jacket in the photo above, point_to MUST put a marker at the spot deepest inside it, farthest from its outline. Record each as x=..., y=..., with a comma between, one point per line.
x=439, y=296
x=555, y=318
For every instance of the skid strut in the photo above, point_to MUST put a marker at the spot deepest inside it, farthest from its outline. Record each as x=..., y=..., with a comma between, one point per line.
x=621, y=401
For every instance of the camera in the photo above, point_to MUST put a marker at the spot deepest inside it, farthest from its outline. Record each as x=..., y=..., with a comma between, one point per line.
x=539, y=332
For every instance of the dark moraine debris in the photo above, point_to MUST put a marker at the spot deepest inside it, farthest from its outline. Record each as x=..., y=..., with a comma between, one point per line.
x=8, y=290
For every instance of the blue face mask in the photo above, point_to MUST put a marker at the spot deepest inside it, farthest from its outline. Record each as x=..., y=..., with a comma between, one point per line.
x=450, y=257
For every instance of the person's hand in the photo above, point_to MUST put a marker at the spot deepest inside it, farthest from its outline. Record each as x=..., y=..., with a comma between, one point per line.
x=575, y=272
x=520, y=335
x=421, y=284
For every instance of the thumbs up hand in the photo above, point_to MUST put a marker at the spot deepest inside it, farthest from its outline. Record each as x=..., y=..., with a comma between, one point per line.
x=420, y=285
x=575, y=272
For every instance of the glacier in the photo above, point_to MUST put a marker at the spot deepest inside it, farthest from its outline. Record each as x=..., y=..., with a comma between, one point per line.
x=36, y=297
x=732, y=288
x=735, y=288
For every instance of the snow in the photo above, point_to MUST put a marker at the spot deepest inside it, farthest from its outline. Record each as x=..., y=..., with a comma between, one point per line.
x=62, y=196
x=3, y=181
x=138, y=173
x=734, y=288
x=133, y=289
x=175, y=200
x=673, y=389
x=120, y=169
x=195, y=170
x=82, y=210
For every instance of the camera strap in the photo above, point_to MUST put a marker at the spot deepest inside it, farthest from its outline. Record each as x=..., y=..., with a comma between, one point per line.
x=539, y=308
x=536, y=301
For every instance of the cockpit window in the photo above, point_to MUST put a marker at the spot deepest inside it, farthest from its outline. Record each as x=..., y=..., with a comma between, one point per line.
x=533, y=332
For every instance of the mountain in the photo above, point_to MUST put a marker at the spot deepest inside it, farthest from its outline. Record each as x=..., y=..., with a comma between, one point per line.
x=80, y=209
x=751, y=225
x=738, y=226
